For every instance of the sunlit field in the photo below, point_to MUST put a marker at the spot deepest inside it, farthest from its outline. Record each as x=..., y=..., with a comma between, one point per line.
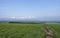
x=21, y=30
x=56, y=29
x=16, y=30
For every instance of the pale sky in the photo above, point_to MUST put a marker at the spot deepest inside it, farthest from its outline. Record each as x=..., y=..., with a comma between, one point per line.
x=38, y=9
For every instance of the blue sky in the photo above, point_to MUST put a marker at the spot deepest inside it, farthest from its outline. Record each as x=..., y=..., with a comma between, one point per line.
x=38, y=9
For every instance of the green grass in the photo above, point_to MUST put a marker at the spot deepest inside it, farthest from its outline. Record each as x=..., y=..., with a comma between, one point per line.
x=21, y=30
x=12, y=30
x=56, y=29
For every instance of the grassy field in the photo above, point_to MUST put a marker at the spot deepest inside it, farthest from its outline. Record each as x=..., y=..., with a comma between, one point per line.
x=13, y=30
x=21, y=30
x=56, y=29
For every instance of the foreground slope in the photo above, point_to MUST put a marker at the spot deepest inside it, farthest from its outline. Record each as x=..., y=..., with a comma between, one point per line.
x=21, y=30
x=12, y=30
x=56, y=29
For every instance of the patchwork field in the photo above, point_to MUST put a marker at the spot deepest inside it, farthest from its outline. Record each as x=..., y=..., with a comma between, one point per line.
x=12, y=30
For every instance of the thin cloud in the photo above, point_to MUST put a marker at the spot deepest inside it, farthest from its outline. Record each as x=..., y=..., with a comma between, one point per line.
x=21, y=17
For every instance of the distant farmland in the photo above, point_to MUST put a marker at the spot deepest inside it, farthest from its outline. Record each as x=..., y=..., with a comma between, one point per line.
x=16, y=30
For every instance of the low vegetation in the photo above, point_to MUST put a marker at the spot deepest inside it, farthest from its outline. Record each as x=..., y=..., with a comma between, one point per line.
x=21, y=30
x=18, y=30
